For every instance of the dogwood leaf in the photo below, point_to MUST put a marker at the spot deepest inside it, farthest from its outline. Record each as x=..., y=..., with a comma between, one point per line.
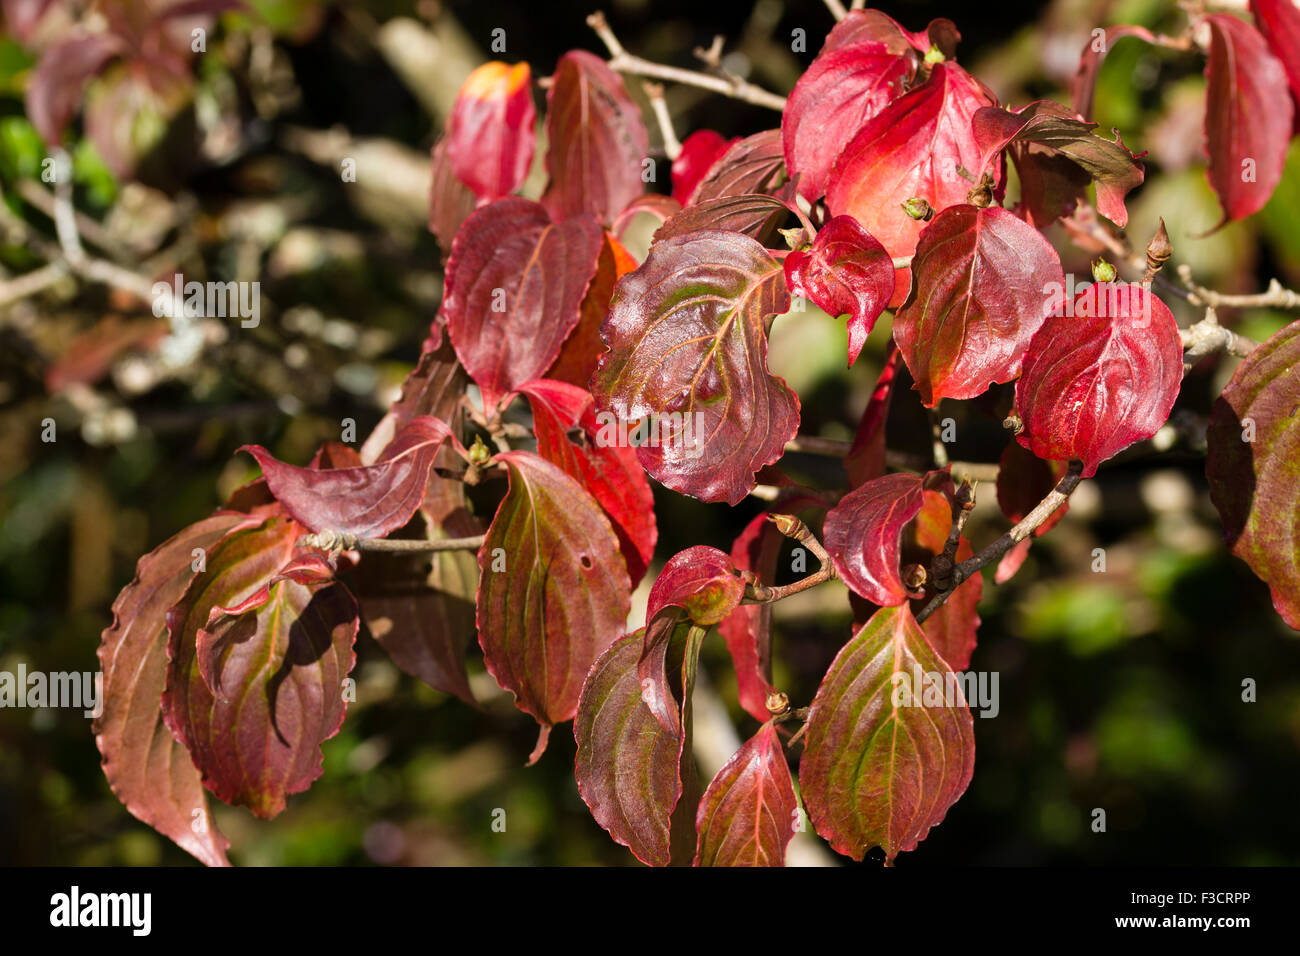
x=747, y=815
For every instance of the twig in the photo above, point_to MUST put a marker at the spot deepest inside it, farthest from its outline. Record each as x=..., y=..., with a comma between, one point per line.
x=1041, y=512
x=963, y=502
x=343, y=541
x=939, y=449
x=30, y=283
x=659, y=106
x=1208, y=336
x=815, y=445
x=624, y=62
x=1276, y=297
x=837, y=9
x=796, y=530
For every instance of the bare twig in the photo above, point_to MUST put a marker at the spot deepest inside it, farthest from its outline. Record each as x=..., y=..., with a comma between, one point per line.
x=796, y=530
x=837, y=9
x=624, y=62
x=30, y=283
x=1040, y=513
x=1208, y=336
x=1276, y=297
x=963, y=502
x=659, y=106
x=343, y=541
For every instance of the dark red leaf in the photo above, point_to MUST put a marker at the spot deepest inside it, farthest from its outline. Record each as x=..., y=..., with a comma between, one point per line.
x=568, y=435
x=747, y=630
x=755, y=164
x=149, y=771
x=368, y=501
x=981, y=287
x=846, y=272
x=581, y=351
x=450, y=200
x=862, y=535
x=553, y=590
x=1023, y=481
x=1248, y=116
x=1058, y=132
x=866, y=458
x=1253, y=466
x=54, y=89
x=842, y=89
x=277, y=662
x=1101, y=377
x=699, y=152
x=884, y=758
x=515, y=286
x=752, y=214
x=872, y=26
x=687, y=341
x=490, y=131
x=1094, y=51
x=747, y=814
x=597, y=140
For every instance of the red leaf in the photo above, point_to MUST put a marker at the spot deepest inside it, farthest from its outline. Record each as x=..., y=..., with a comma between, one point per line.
x=747, y=815
x=1248, y=116
x=687, y=341
x=450, y=200
x=752, y=214
x=568, y=436
x=1011, y=561
x=845, y=272
x=911, y=149
x=597, y=140
x=1279, y=21
x=1253, y=466
x=1023, y=481
x=982, y=279
x=553, y=590
x=862, y=535
x=1058, y=132
x=842, y=89
x=699, y=152
x=581, y=351
x=880, y=766
x=747, y=630
x=952, y=629
x=514, y=290
x=700, y=582
x=149, y=771
x=628, y=767
x=54, y=89
x=490, y=132
x=1101, y=377
x=755, y=164
x=866, y=457
x=279, y=664
x=872, y=26
x=1094, y=51
x=369, y=500
x=656, y=205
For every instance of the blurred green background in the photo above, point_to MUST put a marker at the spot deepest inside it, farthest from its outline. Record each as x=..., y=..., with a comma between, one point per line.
x=1119, y=690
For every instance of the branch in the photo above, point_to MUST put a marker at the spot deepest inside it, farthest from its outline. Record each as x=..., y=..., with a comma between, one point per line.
x=624, y=62
x=1276, y=297
x=1208, y=336
x=659, y=106
x=942, y=568
x=837, y=9
x=343, y=541
x=1041, y=512
x=793, y=528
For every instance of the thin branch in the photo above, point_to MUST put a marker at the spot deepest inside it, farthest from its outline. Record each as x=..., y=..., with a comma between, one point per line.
x=30, y=283
x=963, y=502
x=796, y=530
x=938, y=448
x=1041, y=512
x=837, y=9
x=624, y=62
x=659, y=106
x=815, y=445
x=1276, y=297
x=343, y=541
x=1208, y=336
